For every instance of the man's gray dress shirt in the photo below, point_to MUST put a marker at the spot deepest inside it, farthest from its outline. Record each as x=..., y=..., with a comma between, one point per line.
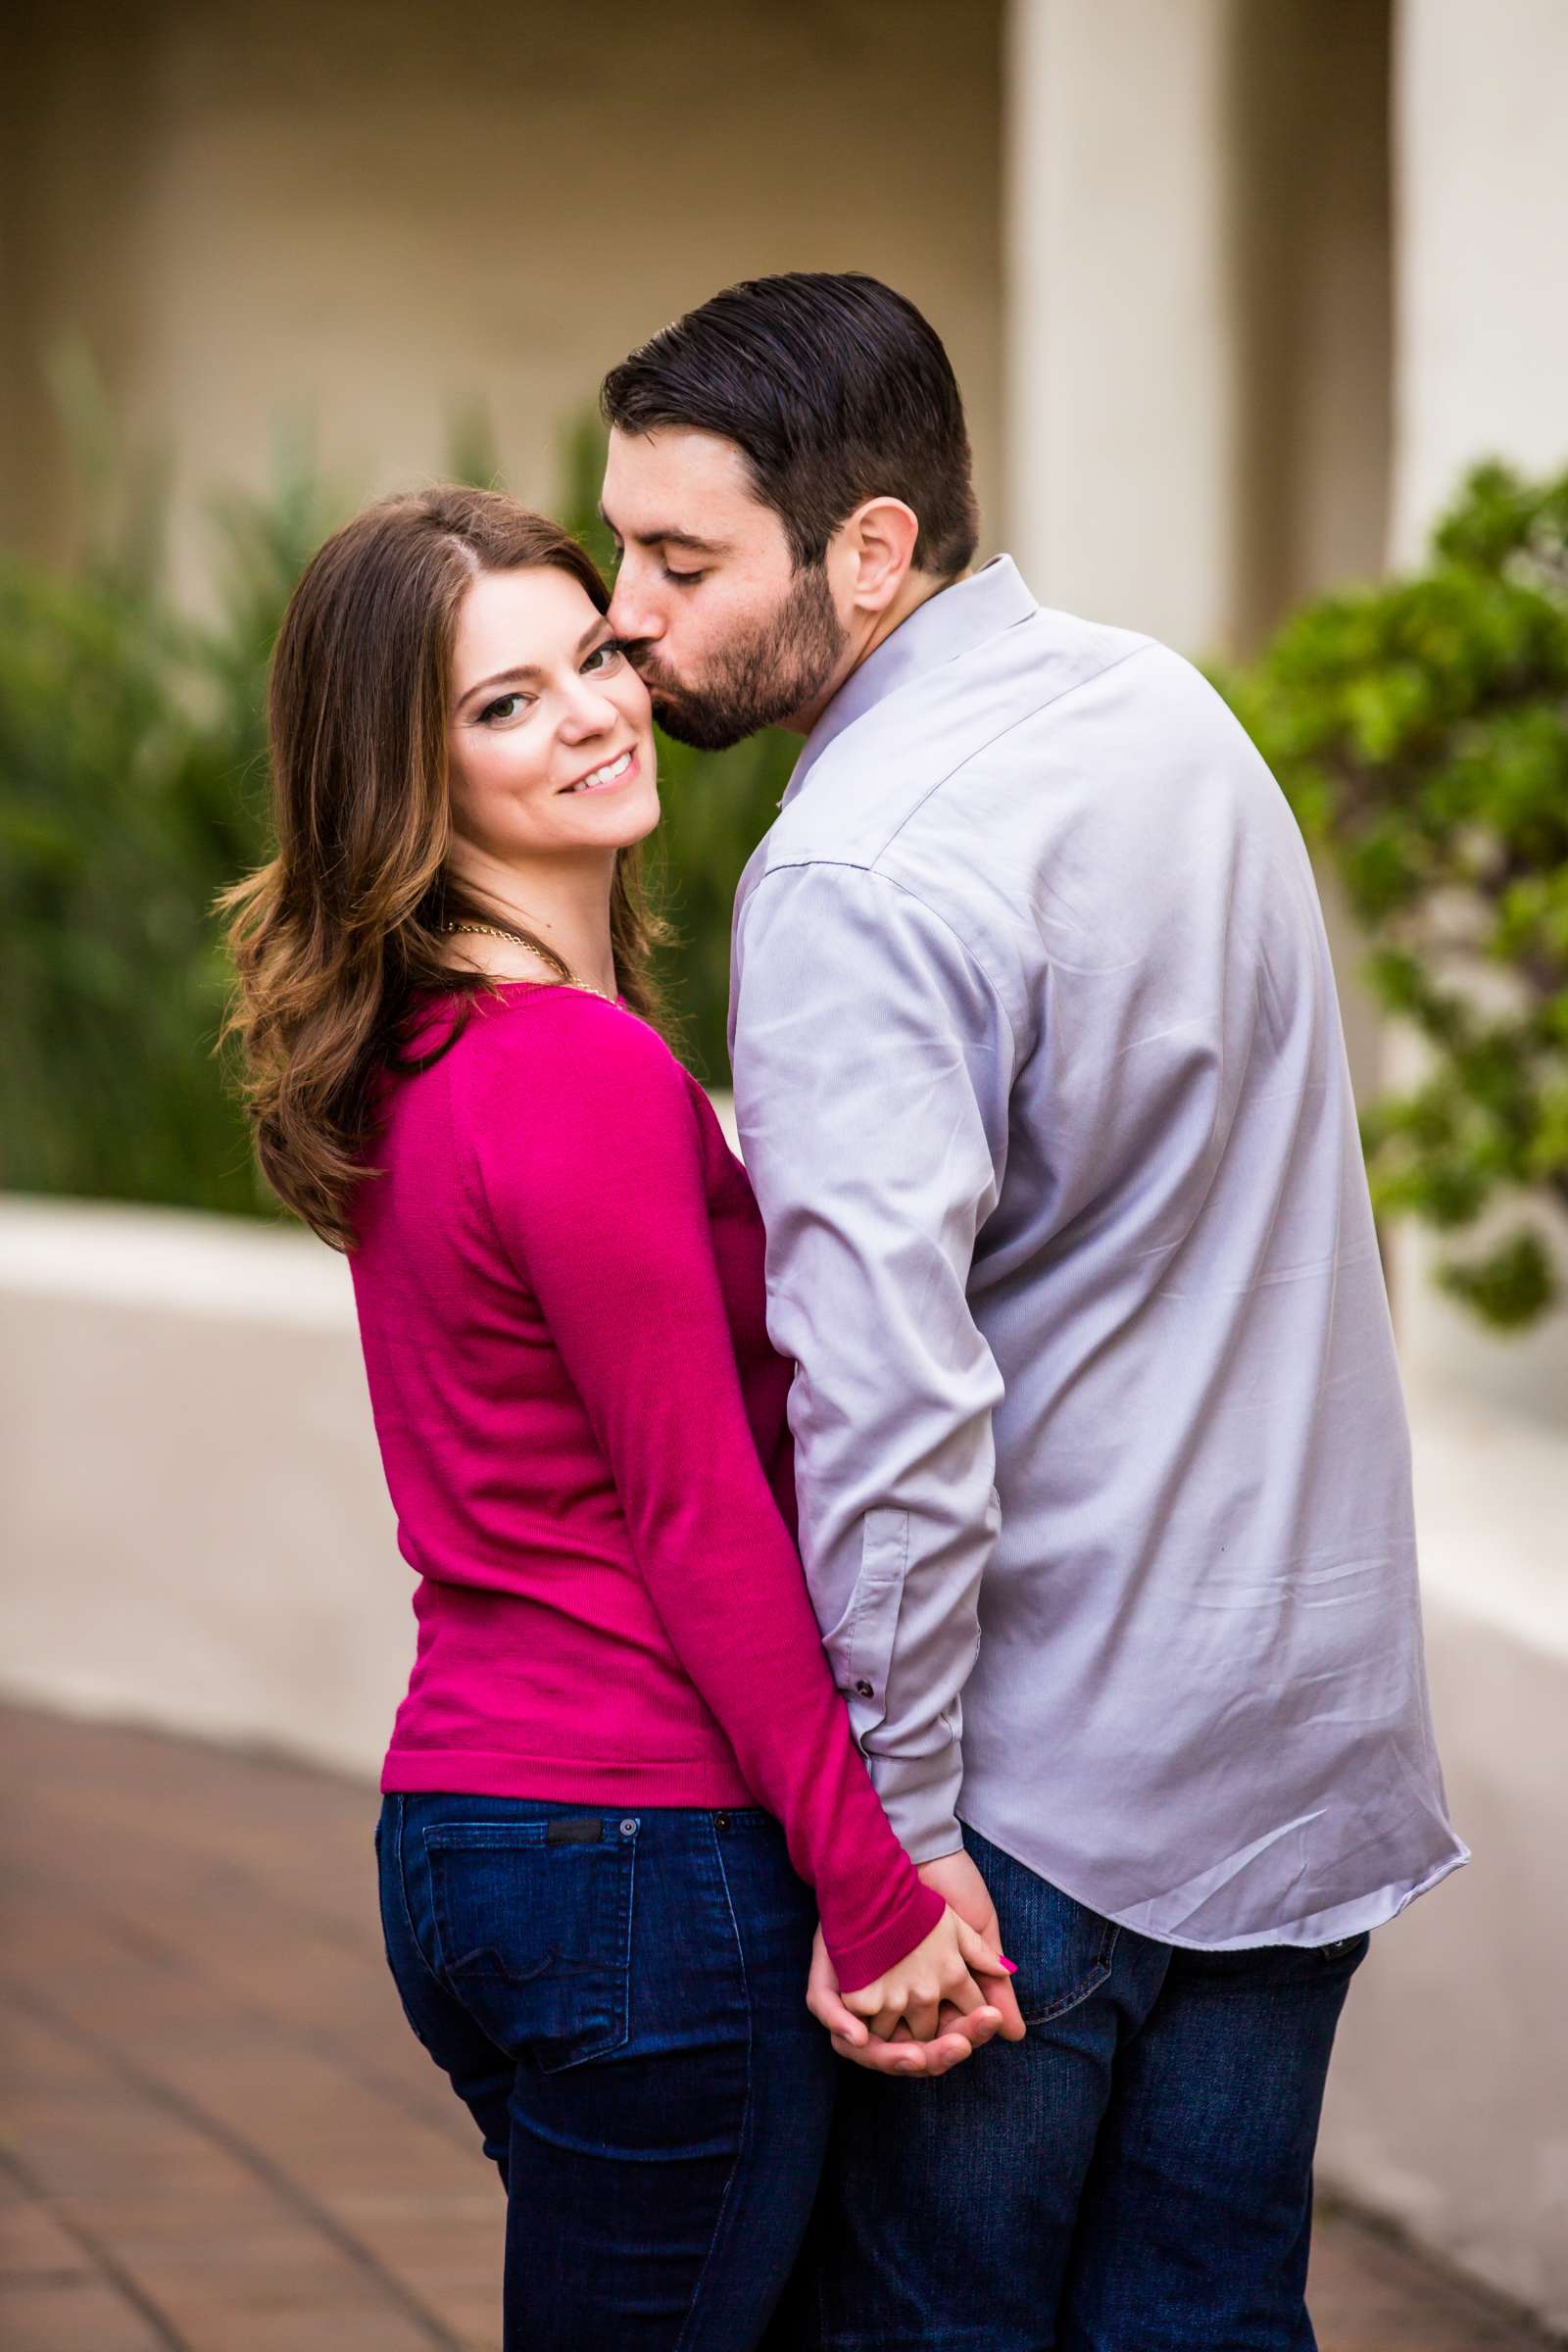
x=1103, y=1465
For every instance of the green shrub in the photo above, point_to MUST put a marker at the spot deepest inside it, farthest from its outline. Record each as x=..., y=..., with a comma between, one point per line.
x=132, y=786
x=1420, y=728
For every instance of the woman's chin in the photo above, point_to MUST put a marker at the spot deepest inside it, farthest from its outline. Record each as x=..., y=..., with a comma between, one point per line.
x=619, y=824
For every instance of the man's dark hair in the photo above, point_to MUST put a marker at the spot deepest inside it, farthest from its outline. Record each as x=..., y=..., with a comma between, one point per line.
x=835, y=389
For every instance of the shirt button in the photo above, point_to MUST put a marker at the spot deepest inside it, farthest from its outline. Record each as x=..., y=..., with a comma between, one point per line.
x=628, y=1828
x=865, y=1689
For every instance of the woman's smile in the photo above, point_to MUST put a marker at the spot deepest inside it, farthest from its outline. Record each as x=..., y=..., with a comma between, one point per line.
x=609, y=772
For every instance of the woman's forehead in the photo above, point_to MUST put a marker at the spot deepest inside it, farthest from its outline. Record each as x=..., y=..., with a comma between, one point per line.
x=528, y=616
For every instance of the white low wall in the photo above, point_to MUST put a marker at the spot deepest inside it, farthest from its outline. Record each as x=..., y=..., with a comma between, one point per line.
x=195, y=1528
x=195, y=1533
x=1447, y=2107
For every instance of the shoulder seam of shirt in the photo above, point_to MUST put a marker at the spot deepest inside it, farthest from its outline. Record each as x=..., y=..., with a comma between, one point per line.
x=872, y=864
x=853, y=866
x=1146, y=645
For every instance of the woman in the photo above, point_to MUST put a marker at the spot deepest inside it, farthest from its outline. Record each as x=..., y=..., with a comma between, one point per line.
x=455, y=1075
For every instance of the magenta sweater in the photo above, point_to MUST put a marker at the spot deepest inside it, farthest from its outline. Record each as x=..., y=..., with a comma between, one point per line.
x=559, y=1290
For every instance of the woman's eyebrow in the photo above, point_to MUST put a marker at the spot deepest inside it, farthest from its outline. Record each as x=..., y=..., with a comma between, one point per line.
x=527, y=670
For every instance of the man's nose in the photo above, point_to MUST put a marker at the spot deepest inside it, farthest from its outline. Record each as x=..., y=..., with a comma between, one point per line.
x=632, y=616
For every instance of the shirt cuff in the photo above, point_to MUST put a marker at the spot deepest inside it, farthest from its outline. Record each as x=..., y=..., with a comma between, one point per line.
x=920, y=1794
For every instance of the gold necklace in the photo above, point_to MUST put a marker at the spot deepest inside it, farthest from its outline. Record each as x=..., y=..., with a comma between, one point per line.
x=499, y=931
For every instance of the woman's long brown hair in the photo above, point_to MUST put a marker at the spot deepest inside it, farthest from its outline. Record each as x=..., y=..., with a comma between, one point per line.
x=337, y=940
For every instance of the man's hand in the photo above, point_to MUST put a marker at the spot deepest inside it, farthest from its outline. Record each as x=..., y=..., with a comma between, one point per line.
x=958, y=2037
x=957, y=1881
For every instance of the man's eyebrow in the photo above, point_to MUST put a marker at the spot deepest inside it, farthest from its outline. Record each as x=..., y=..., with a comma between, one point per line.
x=527, y=670
x=669, y=538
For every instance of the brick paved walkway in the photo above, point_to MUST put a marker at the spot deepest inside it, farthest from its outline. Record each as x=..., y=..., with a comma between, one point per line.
x=219, y=2134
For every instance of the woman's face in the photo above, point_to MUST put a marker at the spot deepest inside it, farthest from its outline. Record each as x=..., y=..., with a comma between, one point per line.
x=550, y=734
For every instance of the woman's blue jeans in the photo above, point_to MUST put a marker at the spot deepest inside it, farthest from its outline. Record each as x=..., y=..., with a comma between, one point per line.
x=620, y=1998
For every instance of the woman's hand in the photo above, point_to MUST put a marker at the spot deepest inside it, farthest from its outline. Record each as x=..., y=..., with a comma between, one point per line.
x=938, y=1976
x=958, y=2037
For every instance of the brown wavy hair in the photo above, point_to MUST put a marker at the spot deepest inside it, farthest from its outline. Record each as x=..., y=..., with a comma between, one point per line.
x=337, y=940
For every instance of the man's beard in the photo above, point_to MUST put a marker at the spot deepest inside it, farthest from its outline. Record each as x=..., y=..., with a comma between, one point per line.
x=775, y=668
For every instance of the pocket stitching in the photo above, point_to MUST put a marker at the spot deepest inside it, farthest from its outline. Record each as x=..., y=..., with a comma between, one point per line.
x=1099, y=1971
x=529, y=1837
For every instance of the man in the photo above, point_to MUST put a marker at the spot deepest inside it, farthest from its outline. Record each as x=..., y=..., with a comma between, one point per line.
x=1103, y=1466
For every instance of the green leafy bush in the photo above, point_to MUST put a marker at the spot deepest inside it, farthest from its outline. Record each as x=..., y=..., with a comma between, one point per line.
x=1420, y=728
x=132, y=786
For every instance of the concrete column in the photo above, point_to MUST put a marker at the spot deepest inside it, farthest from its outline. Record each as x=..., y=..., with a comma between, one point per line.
x=1197, y=226
x=1481, y=165
x=1122, y=373
x=1480, y=360
x=1196, y=240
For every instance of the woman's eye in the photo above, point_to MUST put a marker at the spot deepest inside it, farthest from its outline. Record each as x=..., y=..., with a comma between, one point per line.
x=604, y=656
x=505, y=706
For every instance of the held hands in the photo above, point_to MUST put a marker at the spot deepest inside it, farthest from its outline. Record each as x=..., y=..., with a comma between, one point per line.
x=929, y=2013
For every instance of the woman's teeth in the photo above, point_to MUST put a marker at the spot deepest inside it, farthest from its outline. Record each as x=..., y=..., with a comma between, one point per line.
x=612, y=770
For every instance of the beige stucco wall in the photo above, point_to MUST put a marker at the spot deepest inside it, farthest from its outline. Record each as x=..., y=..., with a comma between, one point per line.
x=358, y=218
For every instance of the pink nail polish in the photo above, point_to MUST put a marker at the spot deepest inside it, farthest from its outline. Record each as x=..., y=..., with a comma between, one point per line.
x=1011, y=1966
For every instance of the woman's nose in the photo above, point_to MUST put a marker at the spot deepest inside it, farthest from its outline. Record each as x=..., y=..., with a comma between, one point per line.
x=588, y=712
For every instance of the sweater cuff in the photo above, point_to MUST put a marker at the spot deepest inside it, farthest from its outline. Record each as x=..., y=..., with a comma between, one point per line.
x=920, y=1794
x=863, y=1962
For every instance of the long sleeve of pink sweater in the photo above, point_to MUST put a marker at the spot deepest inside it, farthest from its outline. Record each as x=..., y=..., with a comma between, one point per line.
x=560, y=1283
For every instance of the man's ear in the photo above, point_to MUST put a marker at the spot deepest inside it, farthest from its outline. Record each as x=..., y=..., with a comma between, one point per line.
x=879, y=540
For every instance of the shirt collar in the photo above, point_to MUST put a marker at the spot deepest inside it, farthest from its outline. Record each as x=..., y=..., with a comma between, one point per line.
x=952, y=622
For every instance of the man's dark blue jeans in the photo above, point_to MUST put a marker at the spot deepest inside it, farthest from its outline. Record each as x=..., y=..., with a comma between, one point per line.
x=620, y=2000
x=1134, y=2176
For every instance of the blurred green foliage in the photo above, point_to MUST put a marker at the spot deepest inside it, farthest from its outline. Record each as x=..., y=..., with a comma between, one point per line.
x=1420, y=728
x=133, y=788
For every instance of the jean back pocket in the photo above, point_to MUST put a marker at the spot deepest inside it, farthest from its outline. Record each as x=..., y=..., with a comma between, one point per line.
x=533, y=1920
x=1065, y=1951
